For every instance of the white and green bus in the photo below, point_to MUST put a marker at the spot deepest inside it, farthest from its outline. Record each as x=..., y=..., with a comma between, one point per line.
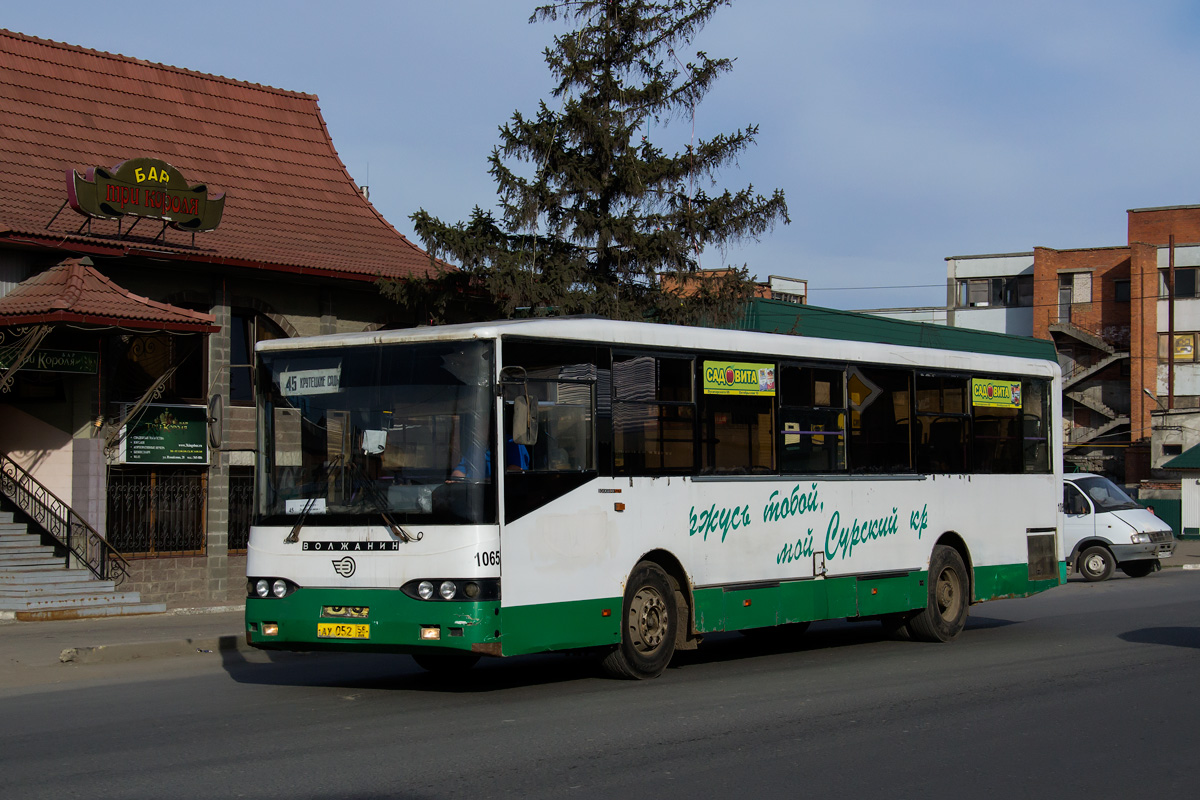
x=582, y=484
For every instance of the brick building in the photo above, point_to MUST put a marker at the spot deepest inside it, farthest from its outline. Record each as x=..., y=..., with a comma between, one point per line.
x=1125, y=332
x=154, y=224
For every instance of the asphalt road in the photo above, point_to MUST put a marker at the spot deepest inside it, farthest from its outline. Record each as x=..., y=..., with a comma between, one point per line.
x=1091, y=690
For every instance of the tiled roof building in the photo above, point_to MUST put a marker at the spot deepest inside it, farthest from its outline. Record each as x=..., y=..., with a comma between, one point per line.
x=290, y=204
x=155, y=223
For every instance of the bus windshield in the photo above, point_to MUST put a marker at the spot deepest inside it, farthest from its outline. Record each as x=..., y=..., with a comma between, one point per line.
x=349, y=433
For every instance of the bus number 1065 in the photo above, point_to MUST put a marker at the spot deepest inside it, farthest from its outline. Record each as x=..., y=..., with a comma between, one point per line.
x=488, y=558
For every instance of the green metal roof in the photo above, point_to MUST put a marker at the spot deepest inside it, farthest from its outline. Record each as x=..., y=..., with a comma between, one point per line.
x=777, y=316
x=1188, y=459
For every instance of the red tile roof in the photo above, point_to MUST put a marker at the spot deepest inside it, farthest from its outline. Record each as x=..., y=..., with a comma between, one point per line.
x=290, y=204
x=76, y=292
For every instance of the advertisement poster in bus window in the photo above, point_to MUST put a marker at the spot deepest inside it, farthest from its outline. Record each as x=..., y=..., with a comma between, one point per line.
x=739, y=378
x=995, y=394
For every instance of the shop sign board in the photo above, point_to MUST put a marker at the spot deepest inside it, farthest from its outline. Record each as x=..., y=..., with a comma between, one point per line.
x=166, y=434
x=79, y=362
x=144, y=187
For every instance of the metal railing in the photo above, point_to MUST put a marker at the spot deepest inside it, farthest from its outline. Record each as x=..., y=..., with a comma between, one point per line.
x=61, y=522
x=157, y=512
x=241, y=507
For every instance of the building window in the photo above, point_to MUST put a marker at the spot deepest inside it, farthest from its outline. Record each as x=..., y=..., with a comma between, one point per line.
x=1172, y=449
x=1121, y=293
x=1184, y=346
x=1185, y=283
x=1081, y=287
x=1012, y=292
x=247, y=329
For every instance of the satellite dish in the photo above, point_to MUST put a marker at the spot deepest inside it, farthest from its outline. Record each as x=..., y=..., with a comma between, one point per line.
x=215, y=421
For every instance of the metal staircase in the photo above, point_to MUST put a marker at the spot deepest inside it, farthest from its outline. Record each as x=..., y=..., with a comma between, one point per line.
x=75, y=577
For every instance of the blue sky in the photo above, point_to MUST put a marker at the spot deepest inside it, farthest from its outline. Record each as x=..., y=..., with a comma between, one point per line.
x=901, y=132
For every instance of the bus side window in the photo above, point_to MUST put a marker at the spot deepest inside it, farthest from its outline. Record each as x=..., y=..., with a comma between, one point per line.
x=943, y=423
x=562, y=379
x=654, y=414
x=739, y=434
x=812, y=415
x=880, y=403
x=1035, y=412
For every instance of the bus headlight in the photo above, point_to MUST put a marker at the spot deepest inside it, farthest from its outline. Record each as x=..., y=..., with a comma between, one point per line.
x=472, y=590
x=266, y=588
x=1140, y=538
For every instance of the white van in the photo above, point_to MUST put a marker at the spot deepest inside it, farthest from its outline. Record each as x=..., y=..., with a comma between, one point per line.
x=1105, y=528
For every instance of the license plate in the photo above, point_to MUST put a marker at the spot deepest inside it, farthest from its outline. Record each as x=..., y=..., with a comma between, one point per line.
x=342, y=630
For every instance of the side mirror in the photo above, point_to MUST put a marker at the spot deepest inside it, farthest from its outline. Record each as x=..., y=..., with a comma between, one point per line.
x=525, y=420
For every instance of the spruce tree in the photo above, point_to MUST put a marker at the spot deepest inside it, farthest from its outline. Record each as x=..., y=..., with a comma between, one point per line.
x=593, y=217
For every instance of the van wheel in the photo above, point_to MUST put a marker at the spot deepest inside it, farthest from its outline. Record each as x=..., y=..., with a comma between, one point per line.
x=649, y=622
x=1140, y=569
x=945, y=613
x=1096, y=563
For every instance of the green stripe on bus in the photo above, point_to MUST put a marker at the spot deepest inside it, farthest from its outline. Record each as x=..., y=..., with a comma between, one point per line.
x=394, y=618
x=1012, y=580
x=561, y=626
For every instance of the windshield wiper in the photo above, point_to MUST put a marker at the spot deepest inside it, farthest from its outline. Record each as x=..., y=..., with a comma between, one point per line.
x=330, y=470
x=377, y=499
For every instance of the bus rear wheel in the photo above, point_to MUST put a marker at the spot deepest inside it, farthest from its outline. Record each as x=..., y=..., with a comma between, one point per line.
x=649, y=622
x=945, y=612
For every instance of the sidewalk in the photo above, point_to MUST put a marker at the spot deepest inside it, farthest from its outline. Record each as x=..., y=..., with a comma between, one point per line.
x=43, y=645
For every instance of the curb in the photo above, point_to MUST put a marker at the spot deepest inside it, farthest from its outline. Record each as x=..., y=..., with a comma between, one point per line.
x=116, y=653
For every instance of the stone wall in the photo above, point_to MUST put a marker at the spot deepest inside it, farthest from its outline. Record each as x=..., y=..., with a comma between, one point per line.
x=188, y=581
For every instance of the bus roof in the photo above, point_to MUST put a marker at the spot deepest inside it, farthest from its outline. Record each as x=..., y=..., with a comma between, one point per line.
x=612, y=332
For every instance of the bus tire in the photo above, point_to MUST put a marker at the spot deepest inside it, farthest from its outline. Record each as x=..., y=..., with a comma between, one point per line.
x=1096, y=563
x=649, y=622
x=445, y=663
x=945, y=612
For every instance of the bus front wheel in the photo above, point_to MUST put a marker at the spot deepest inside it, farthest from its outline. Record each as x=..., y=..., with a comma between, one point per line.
x=945, y=613
x=649, y=622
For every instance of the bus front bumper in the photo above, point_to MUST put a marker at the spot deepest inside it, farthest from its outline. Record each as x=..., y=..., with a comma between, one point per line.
x=372, y=620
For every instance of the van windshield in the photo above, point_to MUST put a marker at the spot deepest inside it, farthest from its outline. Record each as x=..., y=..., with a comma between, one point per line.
x=1105, y=494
